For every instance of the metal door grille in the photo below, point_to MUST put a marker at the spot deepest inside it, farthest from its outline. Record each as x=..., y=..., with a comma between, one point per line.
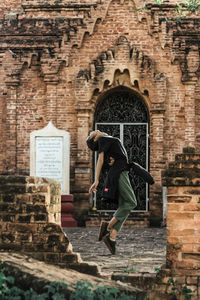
x=134, y=137
x=123, y=113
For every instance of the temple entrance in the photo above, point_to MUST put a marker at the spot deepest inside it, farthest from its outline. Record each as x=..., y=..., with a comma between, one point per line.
x=124, y=114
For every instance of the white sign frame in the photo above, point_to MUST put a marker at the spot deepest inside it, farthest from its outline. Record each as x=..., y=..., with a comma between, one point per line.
x=51, y=131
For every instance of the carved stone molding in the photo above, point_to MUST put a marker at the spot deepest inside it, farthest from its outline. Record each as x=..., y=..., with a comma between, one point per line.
x=121, y=66
x=54, y=4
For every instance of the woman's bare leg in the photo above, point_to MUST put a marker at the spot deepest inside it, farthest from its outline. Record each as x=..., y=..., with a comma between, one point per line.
x=113, y=232
x=112, y=222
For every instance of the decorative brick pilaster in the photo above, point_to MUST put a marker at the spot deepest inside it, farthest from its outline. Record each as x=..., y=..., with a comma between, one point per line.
x=157, y=163
x=182, y=179
x=12, y=68
x=83, y=167
x=51, y=98
x=11, y=128
x=190, y=113
x=182, y=272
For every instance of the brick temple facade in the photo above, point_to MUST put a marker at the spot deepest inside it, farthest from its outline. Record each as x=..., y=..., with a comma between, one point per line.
x=60, y=61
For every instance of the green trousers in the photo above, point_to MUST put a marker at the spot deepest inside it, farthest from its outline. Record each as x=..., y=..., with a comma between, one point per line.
x=127, y=200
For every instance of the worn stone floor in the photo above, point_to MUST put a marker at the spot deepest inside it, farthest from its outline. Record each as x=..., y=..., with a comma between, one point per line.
x=139, y=250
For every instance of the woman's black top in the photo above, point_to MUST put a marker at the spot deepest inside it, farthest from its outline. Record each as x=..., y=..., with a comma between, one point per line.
x=112, y=147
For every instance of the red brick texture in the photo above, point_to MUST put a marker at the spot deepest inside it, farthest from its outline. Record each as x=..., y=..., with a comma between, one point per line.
x=58, y=59
x=30, y=222
x=182, y=179
x=183, y=205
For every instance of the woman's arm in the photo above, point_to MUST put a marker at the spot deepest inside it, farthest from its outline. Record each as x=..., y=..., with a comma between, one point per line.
x=100, y=161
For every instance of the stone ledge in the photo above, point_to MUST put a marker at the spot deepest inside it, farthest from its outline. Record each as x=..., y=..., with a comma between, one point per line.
x=184, y=170
x=76, y=4
x=29, y=272
x=141, y=280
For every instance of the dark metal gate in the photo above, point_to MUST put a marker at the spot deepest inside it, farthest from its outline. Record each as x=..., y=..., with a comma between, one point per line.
x=123, y=114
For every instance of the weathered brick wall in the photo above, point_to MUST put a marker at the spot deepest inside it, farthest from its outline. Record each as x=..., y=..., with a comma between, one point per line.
x=31, y=101
x=58, y=59
x=9, y=7
x=182, y=179
x=30, y=222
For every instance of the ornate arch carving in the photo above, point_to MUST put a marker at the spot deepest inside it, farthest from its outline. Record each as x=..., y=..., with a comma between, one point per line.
x=124, y=65
x=121, y=104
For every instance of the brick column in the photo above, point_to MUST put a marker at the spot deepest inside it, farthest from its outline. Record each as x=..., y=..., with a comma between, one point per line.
x=190, y=112
x=83, y=116
x=182, y=179
x=3, y=132
x=51, y=98
x=11, y=126
x=156, y=162
x=83, y=166
x=12, y=68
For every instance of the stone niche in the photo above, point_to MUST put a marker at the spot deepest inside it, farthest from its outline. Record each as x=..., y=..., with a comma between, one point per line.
x=50, y=155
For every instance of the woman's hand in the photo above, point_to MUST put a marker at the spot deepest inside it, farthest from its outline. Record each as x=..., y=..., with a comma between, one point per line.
x=100, y=161
x=93, y=187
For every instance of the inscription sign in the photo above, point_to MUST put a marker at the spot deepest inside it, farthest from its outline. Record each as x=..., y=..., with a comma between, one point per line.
x=49, y=157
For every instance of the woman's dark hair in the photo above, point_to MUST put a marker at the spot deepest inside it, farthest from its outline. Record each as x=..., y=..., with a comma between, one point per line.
x=92, y=145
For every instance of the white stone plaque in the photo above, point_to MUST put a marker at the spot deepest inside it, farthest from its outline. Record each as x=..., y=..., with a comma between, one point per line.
x=49, y=155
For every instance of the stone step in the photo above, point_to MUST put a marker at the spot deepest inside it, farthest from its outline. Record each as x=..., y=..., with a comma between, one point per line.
x=30, y=273
x=135, y=219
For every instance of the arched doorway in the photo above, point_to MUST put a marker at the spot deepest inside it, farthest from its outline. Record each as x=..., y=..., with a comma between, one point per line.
x=123, y=113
